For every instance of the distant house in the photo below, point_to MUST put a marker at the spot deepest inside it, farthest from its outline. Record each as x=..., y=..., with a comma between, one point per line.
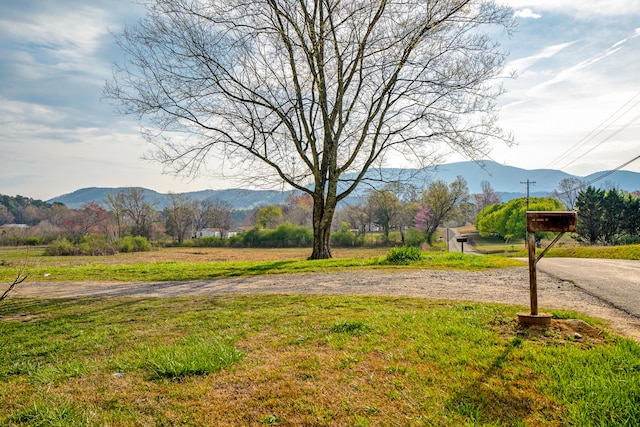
x=14, y=226
x=373, y=227
x=215, y=232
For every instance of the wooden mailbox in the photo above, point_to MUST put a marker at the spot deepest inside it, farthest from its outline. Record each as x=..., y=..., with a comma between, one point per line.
x=560, y=222
x=547, y=221
x=462, y=240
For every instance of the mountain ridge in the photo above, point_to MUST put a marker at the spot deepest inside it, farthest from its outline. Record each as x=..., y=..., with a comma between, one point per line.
x=508, y=181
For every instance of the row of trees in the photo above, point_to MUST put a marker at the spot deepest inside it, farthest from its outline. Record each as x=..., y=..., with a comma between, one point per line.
x=604, y=216
x=508, y=220
x=25, y=210
x=129, y=213
x=124, y=213
x=399, y=207
x=608, y=217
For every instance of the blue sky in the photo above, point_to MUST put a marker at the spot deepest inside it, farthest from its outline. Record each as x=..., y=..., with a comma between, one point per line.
x=575, y=105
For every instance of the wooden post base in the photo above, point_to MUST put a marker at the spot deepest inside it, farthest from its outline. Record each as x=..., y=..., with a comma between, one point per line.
x=534, y=319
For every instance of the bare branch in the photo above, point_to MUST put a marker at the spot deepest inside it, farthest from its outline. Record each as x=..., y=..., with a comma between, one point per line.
x=309, y=91
x=20, y=277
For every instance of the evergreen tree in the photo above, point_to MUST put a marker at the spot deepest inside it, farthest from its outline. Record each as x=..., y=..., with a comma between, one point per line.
x=589, y=205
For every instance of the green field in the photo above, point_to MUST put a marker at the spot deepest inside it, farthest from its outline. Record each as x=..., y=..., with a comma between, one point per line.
x=179, y=264
x=305, y=360
x=296, y=360
x=566, y=247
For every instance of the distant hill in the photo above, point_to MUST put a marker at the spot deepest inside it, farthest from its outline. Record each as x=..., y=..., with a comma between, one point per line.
x=240, y=199
x=507, y=181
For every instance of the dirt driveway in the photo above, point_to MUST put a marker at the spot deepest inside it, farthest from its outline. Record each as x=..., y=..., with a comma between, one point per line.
x=509, y=286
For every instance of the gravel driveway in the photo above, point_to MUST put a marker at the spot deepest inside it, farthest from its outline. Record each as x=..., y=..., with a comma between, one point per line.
x=509, y=286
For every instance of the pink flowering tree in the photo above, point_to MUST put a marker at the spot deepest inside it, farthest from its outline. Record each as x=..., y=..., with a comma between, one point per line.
x=424, y=221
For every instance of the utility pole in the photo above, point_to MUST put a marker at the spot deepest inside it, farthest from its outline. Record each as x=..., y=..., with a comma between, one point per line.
x=528, y=184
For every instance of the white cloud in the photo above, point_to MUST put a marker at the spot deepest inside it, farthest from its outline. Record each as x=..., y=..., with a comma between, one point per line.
x=527, y=13
x=568, y=72
x=76, y=31
x=522, y=64
x=581, y=9
x=60, y=40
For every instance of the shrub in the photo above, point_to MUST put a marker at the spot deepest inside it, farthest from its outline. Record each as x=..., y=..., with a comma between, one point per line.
x=133, y=244
x=210, y=242
x=249, y=238
x=286, y=235
x=414, y=237
x=403, y=255
x=626, y=240
x=346, y=237
x=34, y=241
x=95, y=245
x=60, y=247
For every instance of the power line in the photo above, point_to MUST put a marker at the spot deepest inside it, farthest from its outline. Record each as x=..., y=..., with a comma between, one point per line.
x=598, y=178
x=605, y=140
x=597, y=131
x=606, y=174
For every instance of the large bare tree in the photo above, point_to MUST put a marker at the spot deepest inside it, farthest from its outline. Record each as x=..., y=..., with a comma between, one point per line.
x=307, y=91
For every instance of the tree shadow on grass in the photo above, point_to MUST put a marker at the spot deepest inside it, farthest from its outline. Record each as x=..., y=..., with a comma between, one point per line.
x=266, y=267
x=503, y=396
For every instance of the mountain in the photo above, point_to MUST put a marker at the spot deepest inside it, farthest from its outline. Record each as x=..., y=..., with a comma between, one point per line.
x=502, y=178
x=508, y=181
x=238, y=198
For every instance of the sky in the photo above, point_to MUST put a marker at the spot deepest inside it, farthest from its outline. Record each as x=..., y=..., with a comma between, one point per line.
x=574, y=105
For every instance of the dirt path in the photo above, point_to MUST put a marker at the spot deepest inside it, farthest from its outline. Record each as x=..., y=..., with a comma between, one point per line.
x=508, y=286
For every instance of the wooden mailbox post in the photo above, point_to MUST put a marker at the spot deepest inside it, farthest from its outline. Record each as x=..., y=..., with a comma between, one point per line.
x=558, y=222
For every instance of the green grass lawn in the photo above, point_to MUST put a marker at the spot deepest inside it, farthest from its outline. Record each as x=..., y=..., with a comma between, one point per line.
x=137, y=269
x=566, y=247
x=296, y=360
x=305, y=360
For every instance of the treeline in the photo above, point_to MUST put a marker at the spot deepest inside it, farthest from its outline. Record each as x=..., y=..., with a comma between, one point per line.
x=609, y=217
x=23, y=210
x=118, y=224
x=397, y=214
x=508, y=220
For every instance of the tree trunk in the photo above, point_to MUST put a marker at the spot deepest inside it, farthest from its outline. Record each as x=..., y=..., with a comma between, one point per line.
x=321, y=241
x=323, y=210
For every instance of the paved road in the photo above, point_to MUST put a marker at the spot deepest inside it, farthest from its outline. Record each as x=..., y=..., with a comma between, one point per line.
x=615, y=281
x=455, y=246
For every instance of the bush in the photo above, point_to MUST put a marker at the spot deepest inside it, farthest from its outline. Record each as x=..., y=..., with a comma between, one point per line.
x=60, y=247
x=97, y=245
x=210, y=242
x=403, y=255
x=346, y=237
x=286, y=235
x=626, y=240
x=133, y=244
x=248, y=239
x=88, y=245
x=414, y=237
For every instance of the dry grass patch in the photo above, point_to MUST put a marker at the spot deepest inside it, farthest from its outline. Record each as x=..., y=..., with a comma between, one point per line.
x=11, y=254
